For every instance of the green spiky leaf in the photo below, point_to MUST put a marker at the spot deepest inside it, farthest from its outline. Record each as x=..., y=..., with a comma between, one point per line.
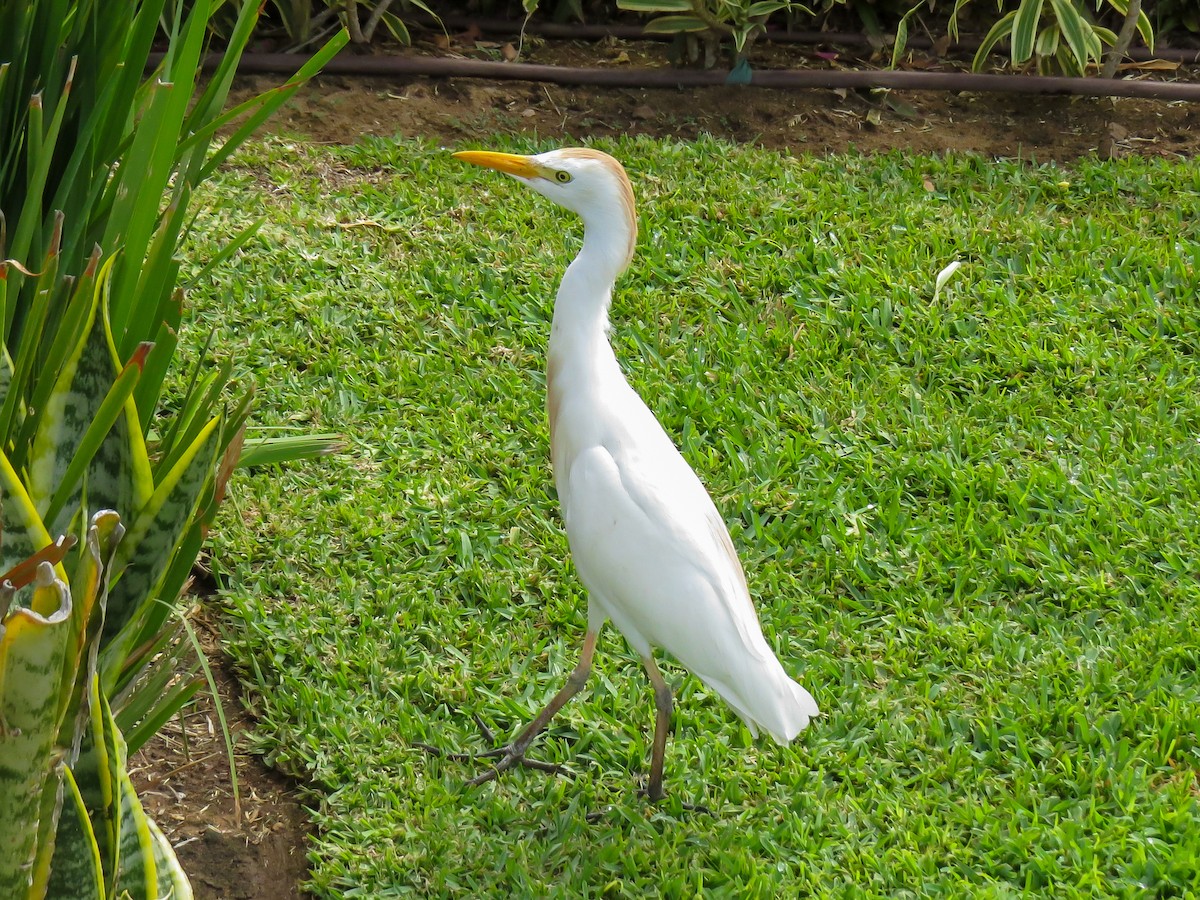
x=33, y=645
x=155, y=531
x=76, y=870
x=675, y=25
x=1001, y=29
x=1024, y=30
x=1077, y=32
x=655, y=6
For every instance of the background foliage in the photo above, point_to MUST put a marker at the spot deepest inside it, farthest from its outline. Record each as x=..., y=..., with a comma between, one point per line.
x=98, y=163
x=1056, y=35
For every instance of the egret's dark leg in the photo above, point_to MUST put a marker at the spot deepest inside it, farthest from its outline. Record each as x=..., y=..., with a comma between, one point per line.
x=662, y=725
x=514, y=753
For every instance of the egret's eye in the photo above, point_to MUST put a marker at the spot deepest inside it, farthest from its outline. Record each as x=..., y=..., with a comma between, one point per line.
x=562, y=177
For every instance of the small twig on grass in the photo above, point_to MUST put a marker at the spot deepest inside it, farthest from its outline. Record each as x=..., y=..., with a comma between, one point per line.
x=190, y=763
x=365, y=223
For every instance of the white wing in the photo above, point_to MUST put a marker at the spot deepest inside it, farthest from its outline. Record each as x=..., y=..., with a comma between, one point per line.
x=656, y=556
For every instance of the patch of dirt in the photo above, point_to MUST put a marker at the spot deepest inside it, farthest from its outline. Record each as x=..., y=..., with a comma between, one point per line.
x=338, y=109
x=251, y=848
x=258, y=851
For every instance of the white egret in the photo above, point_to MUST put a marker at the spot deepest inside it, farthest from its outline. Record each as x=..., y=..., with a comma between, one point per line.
x=648, y=543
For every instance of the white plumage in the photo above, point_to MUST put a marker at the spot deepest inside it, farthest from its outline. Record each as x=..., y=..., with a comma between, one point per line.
x=648, y=543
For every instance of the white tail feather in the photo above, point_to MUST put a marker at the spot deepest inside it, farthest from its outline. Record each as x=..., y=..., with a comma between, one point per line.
x=771, y=701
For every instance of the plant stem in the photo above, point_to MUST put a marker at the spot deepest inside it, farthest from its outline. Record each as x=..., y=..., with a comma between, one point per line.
x=1117, y=52
x=352, y=22
x=705, y=15
x=376, y=15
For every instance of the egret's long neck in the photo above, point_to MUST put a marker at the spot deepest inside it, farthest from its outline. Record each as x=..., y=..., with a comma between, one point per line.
x=579, y=358
x=580, y=326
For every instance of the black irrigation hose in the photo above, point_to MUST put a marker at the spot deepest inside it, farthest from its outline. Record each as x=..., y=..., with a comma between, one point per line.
x=626, y=76
x=583, y=32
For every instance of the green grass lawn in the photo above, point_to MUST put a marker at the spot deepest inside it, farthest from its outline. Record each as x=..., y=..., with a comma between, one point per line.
x=971, y=523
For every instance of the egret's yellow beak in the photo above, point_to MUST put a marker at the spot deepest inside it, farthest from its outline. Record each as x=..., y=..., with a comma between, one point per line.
x=510, y=163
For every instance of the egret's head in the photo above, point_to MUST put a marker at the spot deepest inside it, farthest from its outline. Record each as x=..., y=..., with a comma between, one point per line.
x=589, y=183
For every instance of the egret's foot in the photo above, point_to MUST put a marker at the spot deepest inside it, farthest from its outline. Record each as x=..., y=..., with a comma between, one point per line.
x=459, y=757
x=506, y=757
x=654, y=793
x=690, y=807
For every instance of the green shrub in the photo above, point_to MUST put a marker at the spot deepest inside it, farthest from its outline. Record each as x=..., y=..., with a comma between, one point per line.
x=97, y=168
